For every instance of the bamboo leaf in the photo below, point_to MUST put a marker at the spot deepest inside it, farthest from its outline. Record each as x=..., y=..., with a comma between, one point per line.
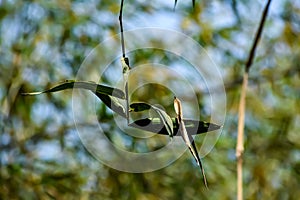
x=193, y=127
x=187, y=137
x=106, y=94
x=95, y=88
x=165, y=118
x=112, y=103
x=138, y=107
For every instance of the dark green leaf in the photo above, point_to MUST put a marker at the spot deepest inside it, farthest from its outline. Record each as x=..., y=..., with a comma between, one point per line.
x=193, y=127
x=165, y=118
x=112, y=103
x=95, y=88
x=138, y=107
x=106, y=94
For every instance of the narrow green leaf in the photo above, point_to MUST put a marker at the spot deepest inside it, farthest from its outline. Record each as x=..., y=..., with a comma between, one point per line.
x=112, y=103
x=95, y=88
x=106, y=94
x=165, y=118
x=138, y=107
x=193, y=127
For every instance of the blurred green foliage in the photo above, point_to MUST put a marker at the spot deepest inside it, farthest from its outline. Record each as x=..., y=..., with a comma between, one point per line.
x=44, y=42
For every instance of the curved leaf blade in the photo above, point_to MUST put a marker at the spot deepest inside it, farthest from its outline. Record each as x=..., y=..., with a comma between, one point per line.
x=193, y=127
x=188, y=138
x=112, y=103
x=106, y=94
x=138, y=107
x=165, y=118
x=95, y=88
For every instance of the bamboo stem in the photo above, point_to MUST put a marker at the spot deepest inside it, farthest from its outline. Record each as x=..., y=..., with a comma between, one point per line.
x=240, y=138
x=242, y=105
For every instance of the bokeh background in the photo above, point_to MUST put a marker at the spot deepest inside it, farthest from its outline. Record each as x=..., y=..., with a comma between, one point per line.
x=45, y=42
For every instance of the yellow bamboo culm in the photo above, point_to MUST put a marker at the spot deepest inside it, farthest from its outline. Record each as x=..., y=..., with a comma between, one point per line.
x=240, y=138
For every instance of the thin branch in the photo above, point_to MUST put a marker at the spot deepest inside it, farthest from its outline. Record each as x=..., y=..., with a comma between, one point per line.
x=121, y=27
x=125, y=61
x=242, y=105
x=175, y=3
x=258, y=36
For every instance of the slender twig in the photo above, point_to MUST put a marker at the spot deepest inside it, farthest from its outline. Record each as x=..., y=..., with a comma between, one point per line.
x=126, y=65
x=121, y=27
x=257, y=37
x=242, y=105
x=235, y=11
x=175, y=5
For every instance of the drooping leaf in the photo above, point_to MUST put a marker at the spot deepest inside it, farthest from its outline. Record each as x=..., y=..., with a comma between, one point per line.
x=165, y=118
x=106, y=94
x=194, y=151
x=112, y=103
x=193, y=127
x=95, y=88
x=187, y=137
